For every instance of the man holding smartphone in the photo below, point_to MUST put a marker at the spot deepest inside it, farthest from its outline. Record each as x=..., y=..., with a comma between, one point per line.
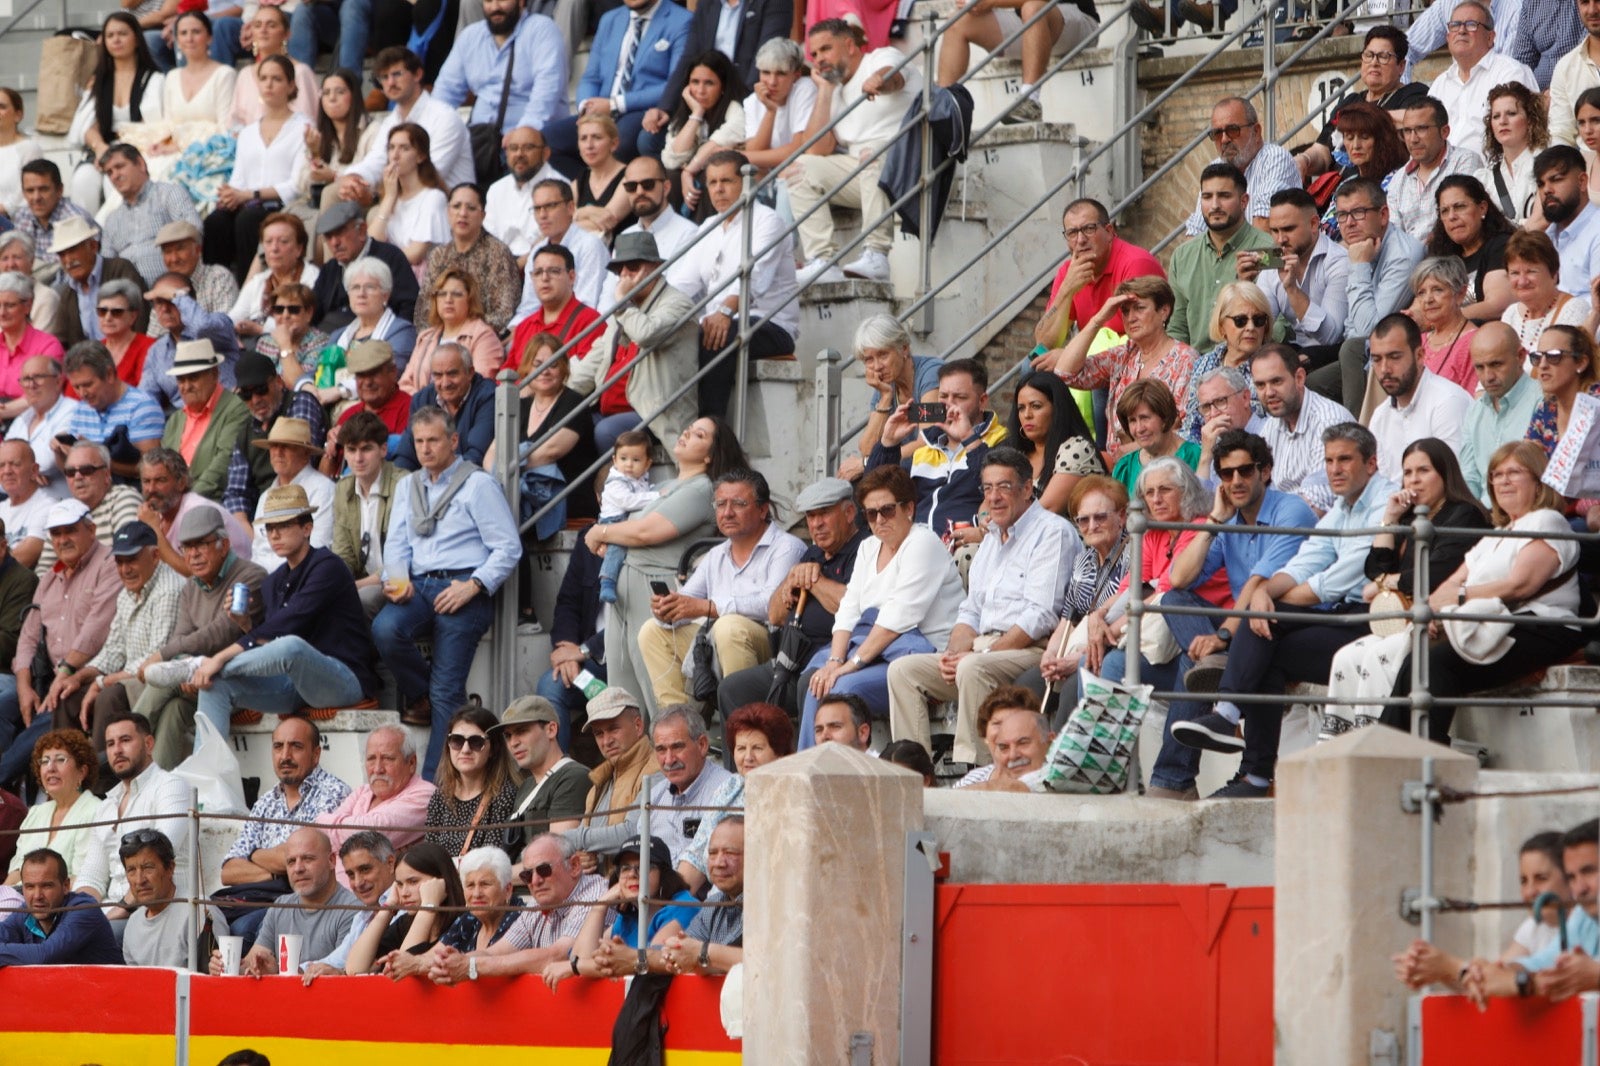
x=1304, y=277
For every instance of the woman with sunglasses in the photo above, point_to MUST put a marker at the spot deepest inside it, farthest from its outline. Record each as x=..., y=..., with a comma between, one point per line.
x=1430, y=477
x=1440, y=286
x=477, y=785
x=1563, y=364
x=487, y=883
x=1471, y=226
x=117, y=310
x=902, y=599
x=1099, y=508
x=294, y=343
x=1534, y=268
x=404, y=929
x=62, y=765
x=672, y=908
x=1242, y=317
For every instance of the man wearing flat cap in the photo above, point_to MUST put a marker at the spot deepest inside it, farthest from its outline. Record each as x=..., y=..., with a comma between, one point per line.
x=344, y=227
x=205, y=428
x=616, y=721
x=378, y=389
x=822, y=573
x=250, y=470
x=76, y=245
x=213, y=284
x=554, y=787
x=146, y=611
x=76, y=599
x=290, y=450
x=181, y=318
x=204, y=626
x=656, y=340
x=311, y=650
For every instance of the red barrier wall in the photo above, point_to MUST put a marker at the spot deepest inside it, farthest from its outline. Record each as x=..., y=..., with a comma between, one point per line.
x=1456, y=1033
x=1103, y=974
x=69, y=1015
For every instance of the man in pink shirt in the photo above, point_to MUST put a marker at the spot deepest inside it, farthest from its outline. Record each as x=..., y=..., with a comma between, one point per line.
x=393, y=796
x=1099, y=262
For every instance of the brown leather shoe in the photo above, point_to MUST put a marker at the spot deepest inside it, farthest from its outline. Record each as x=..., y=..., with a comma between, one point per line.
x=419, y=714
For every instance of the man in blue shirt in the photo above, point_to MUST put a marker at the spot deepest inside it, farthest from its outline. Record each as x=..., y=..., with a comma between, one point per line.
x=466, y=395
x=452, y=543
x=49, y=934
x=310, y=604
x=1265, y=656
x=1243, y=466
x=477, y=65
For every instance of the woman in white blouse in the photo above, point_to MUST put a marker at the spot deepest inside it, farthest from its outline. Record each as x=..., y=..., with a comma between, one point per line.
x=902, y=599
x=15, y=150
x=201, y=90
x=1516, y=128
x=63, y=763
x=283, y=262
x=267, y=167
x=412, y=213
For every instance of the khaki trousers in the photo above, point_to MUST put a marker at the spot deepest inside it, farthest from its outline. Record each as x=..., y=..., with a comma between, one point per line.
x=916, y=679
x=172, y=715
x=818, y=175
x=740, y=643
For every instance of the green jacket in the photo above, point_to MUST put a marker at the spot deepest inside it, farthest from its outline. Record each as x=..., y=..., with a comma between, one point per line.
x=208, y=470
x=347, y=516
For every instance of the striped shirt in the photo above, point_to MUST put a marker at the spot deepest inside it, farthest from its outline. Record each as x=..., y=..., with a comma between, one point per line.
x=1271, y=171
x=1297, y=453
x=540, y=928
x=133, y=409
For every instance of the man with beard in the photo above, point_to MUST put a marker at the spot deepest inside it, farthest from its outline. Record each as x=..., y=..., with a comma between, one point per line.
x=508, y=209
x=1309, y=289
x=394, y=797
x=645, y=181
x=1296, y=417
x=1413, y=189
x=1203, y=266
x=143, y=793
x=303, y=792
x=1236, y=131
x=1420, y=403
x=164, y=479
x=1574, y=221
x=477, y=65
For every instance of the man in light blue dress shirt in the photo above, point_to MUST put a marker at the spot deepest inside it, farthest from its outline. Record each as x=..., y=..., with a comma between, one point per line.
x=477, y=65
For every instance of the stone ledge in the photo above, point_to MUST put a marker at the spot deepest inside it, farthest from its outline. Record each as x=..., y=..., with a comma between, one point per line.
x=1029, y=133
x=363, y=721
x=826, y=292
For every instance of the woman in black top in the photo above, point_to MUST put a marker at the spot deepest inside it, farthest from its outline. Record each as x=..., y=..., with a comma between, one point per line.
x=1472, y=227
x=544, y=403
x=397, y=940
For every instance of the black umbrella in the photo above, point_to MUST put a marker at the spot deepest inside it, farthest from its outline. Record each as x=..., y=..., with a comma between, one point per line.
x=794, y=649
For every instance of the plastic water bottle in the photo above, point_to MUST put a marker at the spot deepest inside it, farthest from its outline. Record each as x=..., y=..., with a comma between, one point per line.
x=588, y=684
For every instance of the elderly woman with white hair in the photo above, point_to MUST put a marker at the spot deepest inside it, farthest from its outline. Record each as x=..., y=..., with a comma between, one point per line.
x=1441, y=286
x=20, y=340
x=776, y=112
x=895, y=376
x=368, y=282
x=1242, y=317
x=487, y=880
x=17, y=253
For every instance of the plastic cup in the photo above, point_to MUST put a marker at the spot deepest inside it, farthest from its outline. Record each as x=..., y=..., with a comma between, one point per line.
x=289, y=952
x=232, y=948
x=396, y=584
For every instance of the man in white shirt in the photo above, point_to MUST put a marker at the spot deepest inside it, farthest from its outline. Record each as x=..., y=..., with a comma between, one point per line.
x=1413, y=187
x=1017, y=583
x=1309, y=289
x=1576, y=72
x=1463, y=87
x=845, y=72
x=1296, y=417
x=143, y=790
x=508, y=209
x=289, y=446
x=1269, y=168
x=554, y=212
x=1563, y=182
x=646, y=183
x=399, y=74
x=48, y=413
x=1420, y=403
x=1428, y=31
x=774, y=289
x=26, y=504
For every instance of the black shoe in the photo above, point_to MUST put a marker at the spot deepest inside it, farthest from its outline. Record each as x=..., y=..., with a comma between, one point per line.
x=1209, y=732
x=1206, y=675
x=1146, y=17
x=1242, y=787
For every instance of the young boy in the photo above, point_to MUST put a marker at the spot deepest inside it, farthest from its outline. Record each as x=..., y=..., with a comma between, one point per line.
x=627, y=489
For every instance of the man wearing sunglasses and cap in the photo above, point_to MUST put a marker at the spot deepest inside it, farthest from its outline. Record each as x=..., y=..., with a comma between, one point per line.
x=182, y=319
x=205, y=428
x=250, y=470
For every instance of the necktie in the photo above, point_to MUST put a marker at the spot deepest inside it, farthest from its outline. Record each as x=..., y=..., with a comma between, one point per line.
x=631, y=49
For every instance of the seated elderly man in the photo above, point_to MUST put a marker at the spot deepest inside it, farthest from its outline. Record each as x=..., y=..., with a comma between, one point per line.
x=462, y=393
x=394, y=796
x=51, y=932
x=48, y=412
x=161, y=931
x=204, y=428
x=714, y=941
x=616, y=721
x=545, y=932
x=213, y=284
x=164, y=480
x=319, y=910
x=205, y=625
x=374, y=365
x=304, y=792
x=183, y=321
x=111, y=506
x=1021, y=742
x=1017, y=583
x=26, y=504
x=731, y=588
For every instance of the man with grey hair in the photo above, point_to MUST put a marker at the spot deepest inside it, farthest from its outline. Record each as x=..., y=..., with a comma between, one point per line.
x=164, y=480
x=110, y=412
x=546, y=932
x=47, y=413
x=343, y=227
x=688, y=780
x=1018, y=581
x=366, y=868
x=394, y=798
x=1463, y=87
x=181, y=318
x=76, y=245
x=1222, y=401
x=1267, y=167
x=17, y=251
x=208, y=421
x=1267, y=655
x=462, y=393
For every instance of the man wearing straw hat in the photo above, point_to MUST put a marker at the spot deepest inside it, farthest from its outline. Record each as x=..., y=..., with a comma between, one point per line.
x=205, y=428
x=291, y=450
x=76, y=246
x=312, y=648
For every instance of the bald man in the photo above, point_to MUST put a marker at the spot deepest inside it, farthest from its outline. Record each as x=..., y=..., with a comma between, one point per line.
x=314, y=910
x=1505, y=403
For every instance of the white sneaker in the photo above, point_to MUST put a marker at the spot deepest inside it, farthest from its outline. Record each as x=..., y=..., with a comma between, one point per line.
x=873, y=266
x=819, y=271
x=171, y=673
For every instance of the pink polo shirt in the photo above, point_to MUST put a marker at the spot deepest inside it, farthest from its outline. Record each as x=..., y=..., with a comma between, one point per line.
x=408, y=807
x=34, y=342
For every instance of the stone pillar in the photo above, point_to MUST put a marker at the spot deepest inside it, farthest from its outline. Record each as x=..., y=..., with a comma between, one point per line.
x=824, y=887
x=1345, y=852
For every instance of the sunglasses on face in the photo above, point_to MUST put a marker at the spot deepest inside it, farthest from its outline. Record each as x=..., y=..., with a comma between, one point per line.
x=287, y=309
x=544, y=870
x=252, y=391
x=1552, y=356
x=879, y=514
x=647, y=184
x=81, y=471
x=107, y=312
x=1229, y=473
x=1257, y=320
x=473, y=742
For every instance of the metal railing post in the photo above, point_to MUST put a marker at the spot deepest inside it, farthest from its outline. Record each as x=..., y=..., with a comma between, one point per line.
x=741, y=372
x=825, y=401
x=1269, y=69
x=1422, y=534
x=1426, y=807
x=1136, y=528
x=198, y=914
x=922, y=324
x=642, y=965
x=503, y=651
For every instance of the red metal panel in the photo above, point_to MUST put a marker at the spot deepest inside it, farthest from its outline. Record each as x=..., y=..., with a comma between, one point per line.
x=1103, y=974
x=1456, y=1033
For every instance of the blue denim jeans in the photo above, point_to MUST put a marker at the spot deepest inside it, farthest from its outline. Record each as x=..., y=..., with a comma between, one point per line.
x=311, y=25
x=454, y=638
x=278, y=678
x=870, y=683
x=225, y=46
x=611, y=562
x=17, y=740
x=567, y=701
x=607, y=428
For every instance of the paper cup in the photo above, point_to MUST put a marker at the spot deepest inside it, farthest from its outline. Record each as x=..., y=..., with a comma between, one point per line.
x=289, y=952
x=232, y=948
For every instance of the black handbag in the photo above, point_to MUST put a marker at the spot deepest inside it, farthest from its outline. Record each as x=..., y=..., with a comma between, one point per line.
x=487, y=158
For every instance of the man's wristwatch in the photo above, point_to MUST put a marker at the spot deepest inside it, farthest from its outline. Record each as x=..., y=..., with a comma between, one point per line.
x=705, y=953
x=1524, y=983
x=1225, y=635
x=478, y=581
x=857, y=662
x=472, y=967
x=64, y=669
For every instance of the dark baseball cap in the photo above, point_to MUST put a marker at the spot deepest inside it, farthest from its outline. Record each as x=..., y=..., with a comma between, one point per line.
x=253, y=370
x=132, y=538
